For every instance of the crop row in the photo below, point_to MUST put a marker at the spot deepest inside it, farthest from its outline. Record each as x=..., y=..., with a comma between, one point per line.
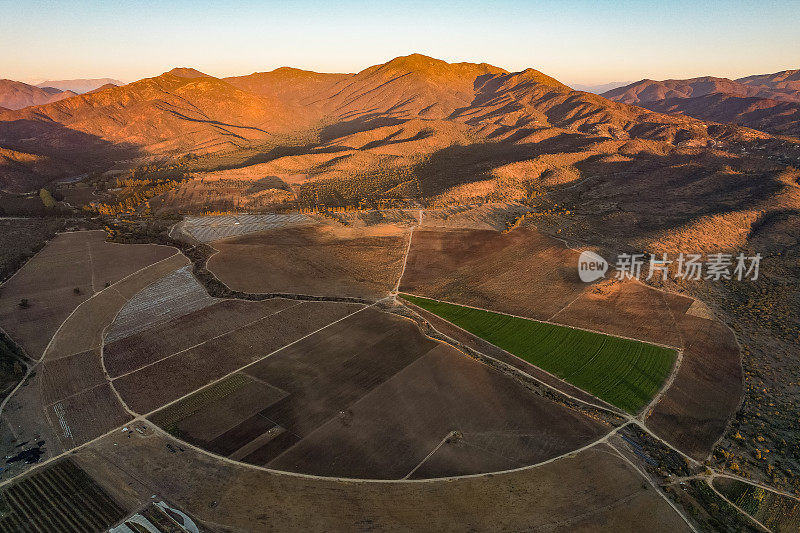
x=60, y=498
x=623, y=372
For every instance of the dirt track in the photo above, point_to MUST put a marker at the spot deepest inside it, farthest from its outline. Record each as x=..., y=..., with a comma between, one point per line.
x=595, y=489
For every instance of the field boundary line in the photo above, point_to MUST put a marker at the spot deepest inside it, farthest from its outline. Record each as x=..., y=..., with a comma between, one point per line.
x=164, y=433
x=543, y=321
x=76, y=393
x=655, y=487
x=40, y=360
x=676, y=366
x=396, y=289
x=256, y=321
x=113, y=285
x=710, y=484
x=610, y=408
x=91, y=263
x=248, y=365
x=755, y=484
x=274, y=295
x=628, y=417
x=430, y=454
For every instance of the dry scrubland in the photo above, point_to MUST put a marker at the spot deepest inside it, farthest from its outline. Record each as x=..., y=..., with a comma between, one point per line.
x=661, y=204
x=775, y=511
x=318, y=260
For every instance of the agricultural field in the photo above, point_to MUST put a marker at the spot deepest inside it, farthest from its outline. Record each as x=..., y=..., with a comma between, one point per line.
x=70, y=269
x=172, y=296
x=61, y=497
x=152, y=377
x=318, y=260
x=693, y=413
x=623, y=372
x=214, y=228
x=346, y=390
x=777, y=512
x=521, y=272
x=66, y=399
x=629, y=309
x=608, y=493
x=371, y=397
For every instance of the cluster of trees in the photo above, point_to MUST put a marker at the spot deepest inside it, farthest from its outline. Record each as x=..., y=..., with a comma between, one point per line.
x=133, y=198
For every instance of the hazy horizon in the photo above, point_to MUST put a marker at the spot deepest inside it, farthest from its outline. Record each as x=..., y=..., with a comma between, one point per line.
x=576, y=42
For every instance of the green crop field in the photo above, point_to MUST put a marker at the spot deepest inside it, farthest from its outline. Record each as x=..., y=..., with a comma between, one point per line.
x=623, y=372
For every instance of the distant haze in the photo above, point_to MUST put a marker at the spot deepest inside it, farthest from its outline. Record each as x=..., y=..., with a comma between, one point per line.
x=601, y=88
x=577, y=41
x=79, y=86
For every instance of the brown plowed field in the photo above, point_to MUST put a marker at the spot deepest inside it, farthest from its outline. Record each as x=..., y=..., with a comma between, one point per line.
x=145, y=347
x=626, y=308
x=79, y=260
x=83, y=329
x=593, y=490
x=86, y=415
x=522, y=272
x=317, y=260
x=68, y=375
x=693, y=413
x=371, y=396
x=177, y=374
x=391, y=429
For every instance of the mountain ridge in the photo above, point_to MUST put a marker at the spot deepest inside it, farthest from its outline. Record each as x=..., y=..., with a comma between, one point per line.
x=417, y=102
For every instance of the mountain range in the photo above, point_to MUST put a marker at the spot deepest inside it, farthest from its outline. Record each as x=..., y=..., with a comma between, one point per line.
x=394, y=115
x=80, y=86
x=768, y=102
x=16, y=95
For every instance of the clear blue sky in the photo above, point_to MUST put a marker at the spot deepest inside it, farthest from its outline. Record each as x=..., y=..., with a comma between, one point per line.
x=574, y=41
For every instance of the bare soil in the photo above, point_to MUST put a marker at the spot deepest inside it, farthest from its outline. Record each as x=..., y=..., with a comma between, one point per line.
x=177, y=374
x=443, y=395
x=592, y=490
x=70, y=374
x=521, y=272
x=78, y=260
x=318, y=260
x=625, y=308
x=694, y=412
x=145, y=347
x=486, y=348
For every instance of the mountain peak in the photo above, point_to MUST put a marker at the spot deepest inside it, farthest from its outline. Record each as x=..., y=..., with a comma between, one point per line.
x=187, y=72
x=432, y=67
x=540, y=78
x=415, y=62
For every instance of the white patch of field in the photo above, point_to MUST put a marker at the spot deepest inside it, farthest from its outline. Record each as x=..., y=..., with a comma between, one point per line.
x=213, y=228
x=174, y=295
